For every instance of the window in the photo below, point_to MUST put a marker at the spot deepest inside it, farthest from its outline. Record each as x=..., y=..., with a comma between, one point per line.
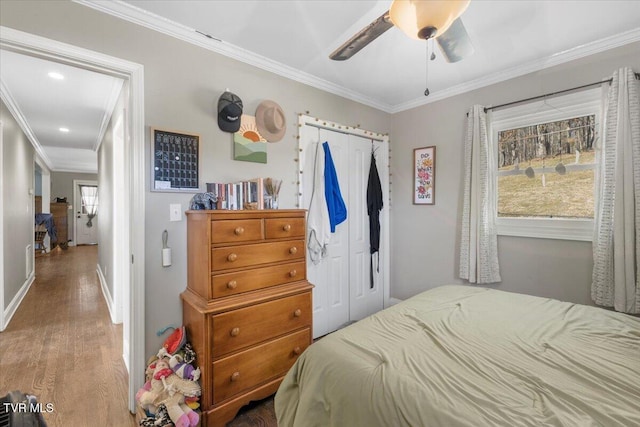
x=89, y=199
x=545, y=166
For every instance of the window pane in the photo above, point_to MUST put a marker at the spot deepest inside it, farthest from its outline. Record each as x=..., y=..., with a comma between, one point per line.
x=547, y=170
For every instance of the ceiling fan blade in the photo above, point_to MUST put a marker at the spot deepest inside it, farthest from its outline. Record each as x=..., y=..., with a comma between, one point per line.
x=455, y=43
x=363, y=38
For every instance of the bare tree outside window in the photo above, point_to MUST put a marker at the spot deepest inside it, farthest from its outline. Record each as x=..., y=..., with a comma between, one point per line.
x=547, y=169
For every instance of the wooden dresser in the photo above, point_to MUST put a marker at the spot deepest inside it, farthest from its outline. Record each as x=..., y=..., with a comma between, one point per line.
x=60, y=213
x=247, y=307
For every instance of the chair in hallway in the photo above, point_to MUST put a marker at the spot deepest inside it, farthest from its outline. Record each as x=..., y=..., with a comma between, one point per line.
x=40, y=233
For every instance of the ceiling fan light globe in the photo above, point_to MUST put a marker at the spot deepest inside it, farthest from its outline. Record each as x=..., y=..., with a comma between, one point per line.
x=414, y=17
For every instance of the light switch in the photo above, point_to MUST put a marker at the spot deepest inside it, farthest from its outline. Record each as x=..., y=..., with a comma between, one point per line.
x=175, y=212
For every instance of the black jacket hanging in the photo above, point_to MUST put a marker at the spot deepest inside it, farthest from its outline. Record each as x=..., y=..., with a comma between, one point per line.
x=374, y=205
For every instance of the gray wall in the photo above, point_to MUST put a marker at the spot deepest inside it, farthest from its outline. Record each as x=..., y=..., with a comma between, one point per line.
x=18, y=177
x=38, y=182
x=62, y=186
x=425, y=239
x=185, y=98
x=424, y=249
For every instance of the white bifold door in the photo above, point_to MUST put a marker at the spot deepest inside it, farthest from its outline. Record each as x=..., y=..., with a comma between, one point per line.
x=343, y=289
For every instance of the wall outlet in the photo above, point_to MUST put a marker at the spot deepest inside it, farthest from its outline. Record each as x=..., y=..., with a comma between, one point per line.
x=175, y=212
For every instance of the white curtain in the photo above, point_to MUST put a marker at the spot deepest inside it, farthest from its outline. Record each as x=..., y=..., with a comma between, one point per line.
x=478, y=241
x=616, y=241
x=89, y=196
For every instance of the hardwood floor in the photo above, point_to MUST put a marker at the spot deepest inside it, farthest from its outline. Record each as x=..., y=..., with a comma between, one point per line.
x=62, y=347
x=255, y=414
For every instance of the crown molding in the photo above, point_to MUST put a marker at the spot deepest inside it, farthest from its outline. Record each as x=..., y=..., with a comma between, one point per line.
x=152, y=21
x=139, y=16
x=16, y=112
x=602, y=45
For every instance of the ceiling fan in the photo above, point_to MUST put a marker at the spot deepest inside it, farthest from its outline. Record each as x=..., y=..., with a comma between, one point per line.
x=439, y=19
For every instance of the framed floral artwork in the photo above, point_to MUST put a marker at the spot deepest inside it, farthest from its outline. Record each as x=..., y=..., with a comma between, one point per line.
x=424, y=176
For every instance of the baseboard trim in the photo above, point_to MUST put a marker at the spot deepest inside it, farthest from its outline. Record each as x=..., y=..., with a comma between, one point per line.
x=394, y=301
x=125, y=355
x=16, y=301
x=106, y=293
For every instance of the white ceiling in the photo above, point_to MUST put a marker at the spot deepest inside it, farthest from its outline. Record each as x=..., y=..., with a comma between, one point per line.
x=81, y=102
x=295, y=37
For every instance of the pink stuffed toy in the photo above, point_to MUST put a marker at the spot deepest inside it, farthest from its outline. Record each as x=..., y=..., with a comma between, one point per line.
x=166, y=387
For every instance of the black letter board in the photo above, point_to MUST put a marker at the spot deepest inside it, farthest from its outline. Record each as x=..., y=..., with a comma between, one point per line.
x=175, y=161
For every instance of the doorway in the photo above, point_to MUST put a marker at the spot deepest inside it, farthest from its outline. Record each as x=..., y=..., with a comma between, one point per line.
x=85, y=208
x=131, y=224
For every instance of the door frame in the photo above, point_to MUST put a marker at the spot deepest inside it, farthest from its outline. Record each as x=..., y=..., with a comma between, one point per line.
x=131, y=248
x=76, y=184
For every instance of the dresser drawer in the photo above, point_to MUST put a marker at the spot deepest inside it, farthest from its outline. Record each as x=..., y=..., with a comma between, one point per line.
x=279, y=228
x=241, y=328
x=229, y=257
x=226, y=284
x=236, y=230
x=256, y=365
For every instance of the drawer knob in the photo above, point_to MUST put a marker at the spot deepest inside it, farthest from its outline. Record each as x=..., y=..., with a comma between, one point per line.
x=232, y=257
x=238, y=231
x=297, y=313
x=297, y=351
x=235, y=332
x=232, y=284
x=286, y=227
x=293, y=273
x=235, y=376
x=293, y=250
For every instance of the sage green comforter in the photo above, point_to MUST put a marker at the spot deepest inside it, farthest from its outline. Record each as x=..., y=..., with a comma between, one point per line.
x=468, y=356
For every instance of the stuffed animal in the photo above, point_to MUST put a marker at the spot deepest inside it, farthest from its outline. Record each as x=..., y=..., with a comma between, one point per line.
x=182, y=369
x=165, y=387
x=161, y=418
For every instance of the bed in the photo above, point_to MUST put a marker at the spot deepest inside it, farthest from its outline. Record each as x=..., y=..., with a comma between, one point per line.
x=469, y=356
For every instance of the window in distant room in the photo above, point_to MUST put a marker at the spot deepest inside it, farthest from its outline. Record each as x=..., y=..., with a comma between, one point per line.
x=545, y=169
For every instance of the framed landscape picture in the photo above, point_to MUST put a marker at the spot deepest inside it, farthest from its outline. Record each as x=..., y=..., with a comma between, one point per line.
x=424, y=176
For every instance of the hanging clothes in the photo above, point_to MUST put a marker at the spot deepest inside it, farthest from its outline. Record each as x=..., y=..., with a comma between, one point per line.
x=374, y=206
x=318, y=217
x=335, y=203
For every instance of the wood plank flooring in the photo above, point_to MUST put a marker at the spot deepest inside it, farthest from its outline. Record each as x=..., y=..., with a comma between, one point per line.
x=62, y=347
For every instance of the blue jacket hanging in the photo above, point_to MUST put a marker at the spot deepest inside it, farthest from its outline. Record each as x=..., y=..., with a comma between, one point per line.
x=335, y=204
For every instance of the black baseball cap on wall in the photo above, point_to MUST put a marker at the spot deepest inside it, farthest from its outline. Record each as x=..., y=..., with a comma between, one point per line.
x=229, y=112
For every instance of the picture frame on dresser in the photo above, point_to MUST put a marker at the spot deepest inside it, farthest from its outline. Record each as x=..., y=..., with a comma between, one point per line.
x=175, y=161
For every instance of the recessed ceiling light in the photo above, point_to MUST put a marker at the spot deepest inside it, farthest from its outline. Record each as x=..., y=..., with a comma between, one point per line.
x=56, y=76
x=65, y=130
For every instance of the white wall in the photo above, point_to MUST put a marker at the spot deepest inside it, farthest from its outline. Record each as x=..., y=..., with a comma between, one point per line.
x=105, y=209
x=426, y=238
x=185, y=98
x=18, y=179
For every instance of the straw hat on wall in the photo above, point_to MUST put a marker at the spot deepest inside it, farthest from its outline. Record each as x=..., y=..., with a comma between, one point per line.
x=271, y=121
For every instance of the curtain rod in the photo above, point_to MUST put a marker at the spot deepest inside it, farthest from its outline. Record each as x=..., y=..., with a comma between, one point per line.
x=533, y=98
x=342, y=131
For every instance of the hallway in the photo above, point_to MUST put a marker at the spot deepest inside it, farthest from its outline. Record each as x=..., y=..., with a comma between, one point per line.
x=62, y=347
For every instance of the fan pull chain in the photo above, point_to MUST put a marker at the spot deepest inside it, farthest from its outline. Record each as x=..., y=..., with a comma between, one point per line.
x=426, y=77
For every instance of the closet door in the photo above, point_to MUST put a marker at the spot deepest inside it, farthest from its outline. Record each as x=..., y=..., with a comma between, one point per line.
x=330, y=276
x=363, y=298
x=342, y=291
